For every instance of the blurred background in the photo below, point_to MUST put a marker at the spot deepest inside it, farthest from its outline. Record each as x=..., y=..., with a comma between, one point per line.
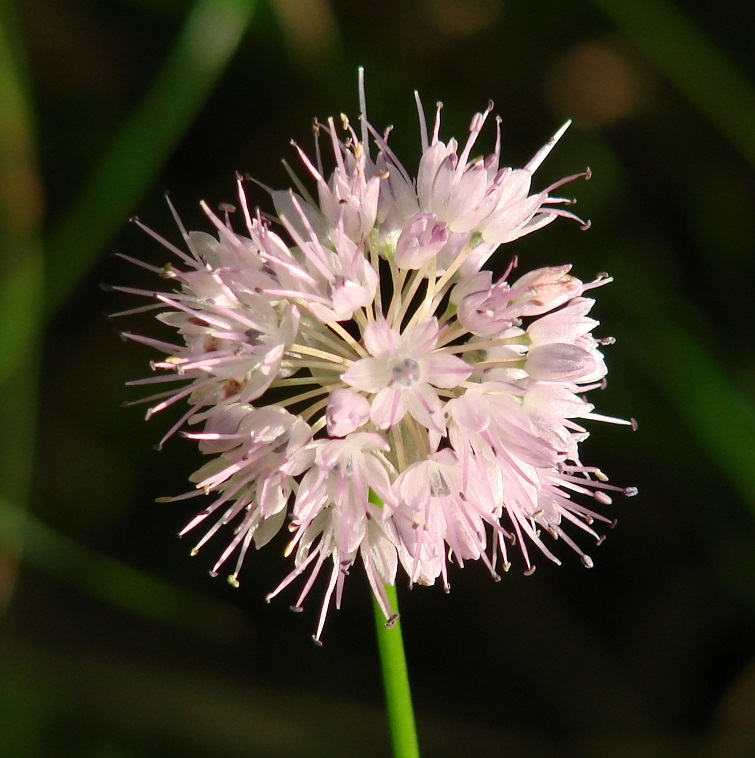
x=113, y=642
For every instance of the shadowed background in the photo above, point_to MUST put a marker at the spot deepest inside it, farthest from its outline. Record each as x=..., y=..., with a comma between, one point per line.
x=113, y=642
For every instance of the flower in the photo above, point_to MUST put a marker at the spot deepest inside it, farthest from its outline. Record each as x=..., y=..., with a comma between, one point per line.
x=361, y=382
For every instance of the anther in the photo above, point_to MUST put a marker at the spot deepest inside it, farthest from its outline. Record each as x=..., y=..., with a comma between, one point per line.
x=391, y=621
x=587, y=562
x=530, y=571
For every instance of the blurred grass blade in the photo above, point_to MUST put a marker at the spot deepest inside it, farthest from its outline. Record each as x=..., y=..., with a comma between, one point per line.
x=210, y=36
x=719, y=90
x=700, y=391
x=20, y=283
x=113, y=582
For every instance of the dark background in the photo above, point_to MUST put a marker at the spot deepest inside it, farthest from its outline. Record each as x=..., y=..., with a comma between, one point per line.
x=115, y=643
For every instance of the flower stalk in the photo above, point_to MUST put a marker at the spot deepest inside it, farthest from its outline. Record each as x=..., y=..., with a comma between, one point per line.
x=398, y=697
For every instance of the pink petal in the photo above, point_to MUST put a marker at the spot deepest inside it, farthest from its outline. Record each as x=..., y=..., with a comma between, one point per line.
x=421, y=338
x=424, y=405
x=470, y=412
x=388, y=407
x=445, y=370
x=558, y=362
x=379, y=339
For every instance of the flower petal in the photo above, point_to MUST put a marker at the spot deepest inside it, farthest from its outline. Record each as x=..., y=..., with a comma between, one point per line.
x=445, y=370
x=367, y=374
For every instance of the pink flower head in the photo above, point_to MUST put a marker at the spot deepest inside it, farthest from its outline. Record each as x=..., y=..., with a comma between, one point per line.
x=358, y=378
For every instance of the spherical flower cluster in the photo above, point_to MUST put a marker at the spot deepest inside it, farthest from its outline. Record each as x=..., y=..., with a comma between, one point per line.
x=360, y=380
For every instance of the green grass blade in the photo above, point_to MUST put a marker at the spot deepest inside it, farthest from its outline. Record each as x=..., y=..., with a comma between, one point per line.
x=708, y=401
x=114, y=582
x=717, y=88
x=20, y=283
x=211, y=34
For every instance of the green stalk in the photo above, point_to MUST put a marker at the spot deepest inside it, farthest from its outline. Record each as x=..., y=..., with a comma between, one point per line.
x=398, y=697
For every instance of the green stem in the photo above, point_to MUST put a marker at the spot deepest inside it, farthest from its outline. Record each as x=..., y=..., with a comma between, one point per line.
x=398, y=696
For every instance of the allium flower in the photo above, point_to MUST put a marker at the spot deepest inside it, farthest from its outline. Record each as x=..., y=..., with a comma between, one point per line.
x=358, y=378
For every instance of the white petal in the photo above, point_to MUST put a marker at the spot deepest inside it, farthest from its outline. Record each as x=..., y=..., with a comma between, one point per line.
x=269, y=528
x=367, y=374
x=383, y=551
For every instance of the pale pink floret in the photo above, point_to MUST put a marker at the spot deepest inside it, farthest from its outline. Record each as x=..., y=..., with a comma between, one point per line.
x=404, y=372
x=349, y=198
x=475, y=196
x=446, y=504
x=486, y=308
x=347, y=411
x=531, y=458
x=331, y=278
x=332, y=516
x=421, y=240
x=253, y=444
